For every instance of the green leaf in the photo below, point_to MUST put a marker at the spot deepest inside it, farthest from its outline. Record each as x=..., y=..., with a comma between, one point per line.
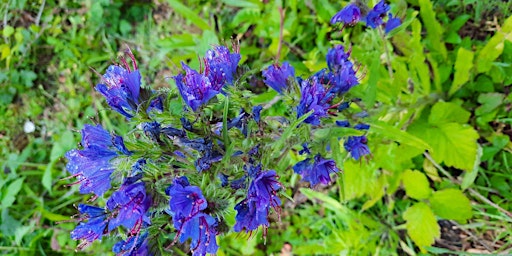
x=434, y=28
x=11, y=192
x=404, y=137
x=243, y=3
x=328, y=202
x=452, y=143
x=46, y=180
x=65, y=143
x=469, y=177
x=326, y=133
x=494, y=47
x=489, y=101
x=448, y=112
x=451, y=204
x=189, y=14
x=416, y=184
x=7, y=31
x=463, y=66
x=421, y=225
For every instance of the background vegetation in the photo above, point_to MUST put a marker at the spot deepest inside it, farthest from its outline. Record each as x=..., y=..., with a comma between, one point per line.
x=437, y=91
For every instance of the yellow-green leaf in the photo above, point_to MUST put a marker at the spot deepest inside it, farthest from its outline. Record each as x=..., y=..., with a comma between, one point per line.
x=421, y=225
x=463, y=66
x=416, y=184
x=451, y=204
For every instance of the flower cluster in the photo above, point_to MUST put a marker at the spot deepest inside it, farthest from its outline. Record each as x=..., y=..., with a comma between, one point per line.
x=351, y=15
x=183, y=174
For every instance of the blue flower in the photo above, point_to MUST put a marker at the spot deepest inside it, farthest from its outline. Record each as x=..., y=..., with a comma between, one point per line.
x=277, y=76
x=317, y=172
x=349, y=15
x=202, y=230
x=129, y=205
x=344, y=106
x=92, y=165
x=342, y=123
x=94, y=228
x=173, y=132
x=195, y=88
x=248, y=217
x=238, y=183
x=220, y=66
x=361, y=126
x=375, y=16
x=121, y=88
x=392, y=23
x=261, y=196
x=356, y=146
x=156, y=104
x=336, y=58
x=305, y=149
x=263, y=190
x=133, y=246
x=256, y=113
x=312, y=98
x=186, y=200
x=152, y=130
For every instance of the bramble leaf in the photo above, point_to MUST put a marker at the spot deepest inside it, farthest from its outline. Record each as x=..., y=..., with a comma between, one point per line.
x=416, y=184
x=451, y=204
x=421, y=225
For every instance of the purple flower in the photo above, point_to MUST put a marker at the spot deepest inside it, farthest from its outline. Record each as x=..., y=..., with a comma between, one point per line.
x=356, y=146
x=94, y=228
x=129, y=205
x=156, y=104
x=121, y=88
x=336, y=58
x=392, y=23
x=349, y=15
x=202, y=230
x=248, y=217
x=92, y=165
x=220, y=66
x=195, y=88
x=133, y=246
x=263, y=190
x=239, y=183
x=375, y=16
x=317, y=172
x=261, y=195
x=186, y=200
x=277, y=76
x=312, y=98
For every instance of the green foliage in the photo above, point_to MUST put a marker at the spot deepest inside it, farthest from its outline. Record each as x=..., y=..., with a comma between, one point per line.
x=421, y=225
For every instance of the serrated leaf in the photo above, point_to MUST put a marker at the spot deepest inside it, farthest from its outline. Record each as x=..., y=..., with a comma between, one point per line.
x=421, y=225
x=448, y=112
x=434, y=28
x=463, y=66
x=452, y=143
x=451, y=204
x=11, y=192
x=416, y=184
x=489, y=101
